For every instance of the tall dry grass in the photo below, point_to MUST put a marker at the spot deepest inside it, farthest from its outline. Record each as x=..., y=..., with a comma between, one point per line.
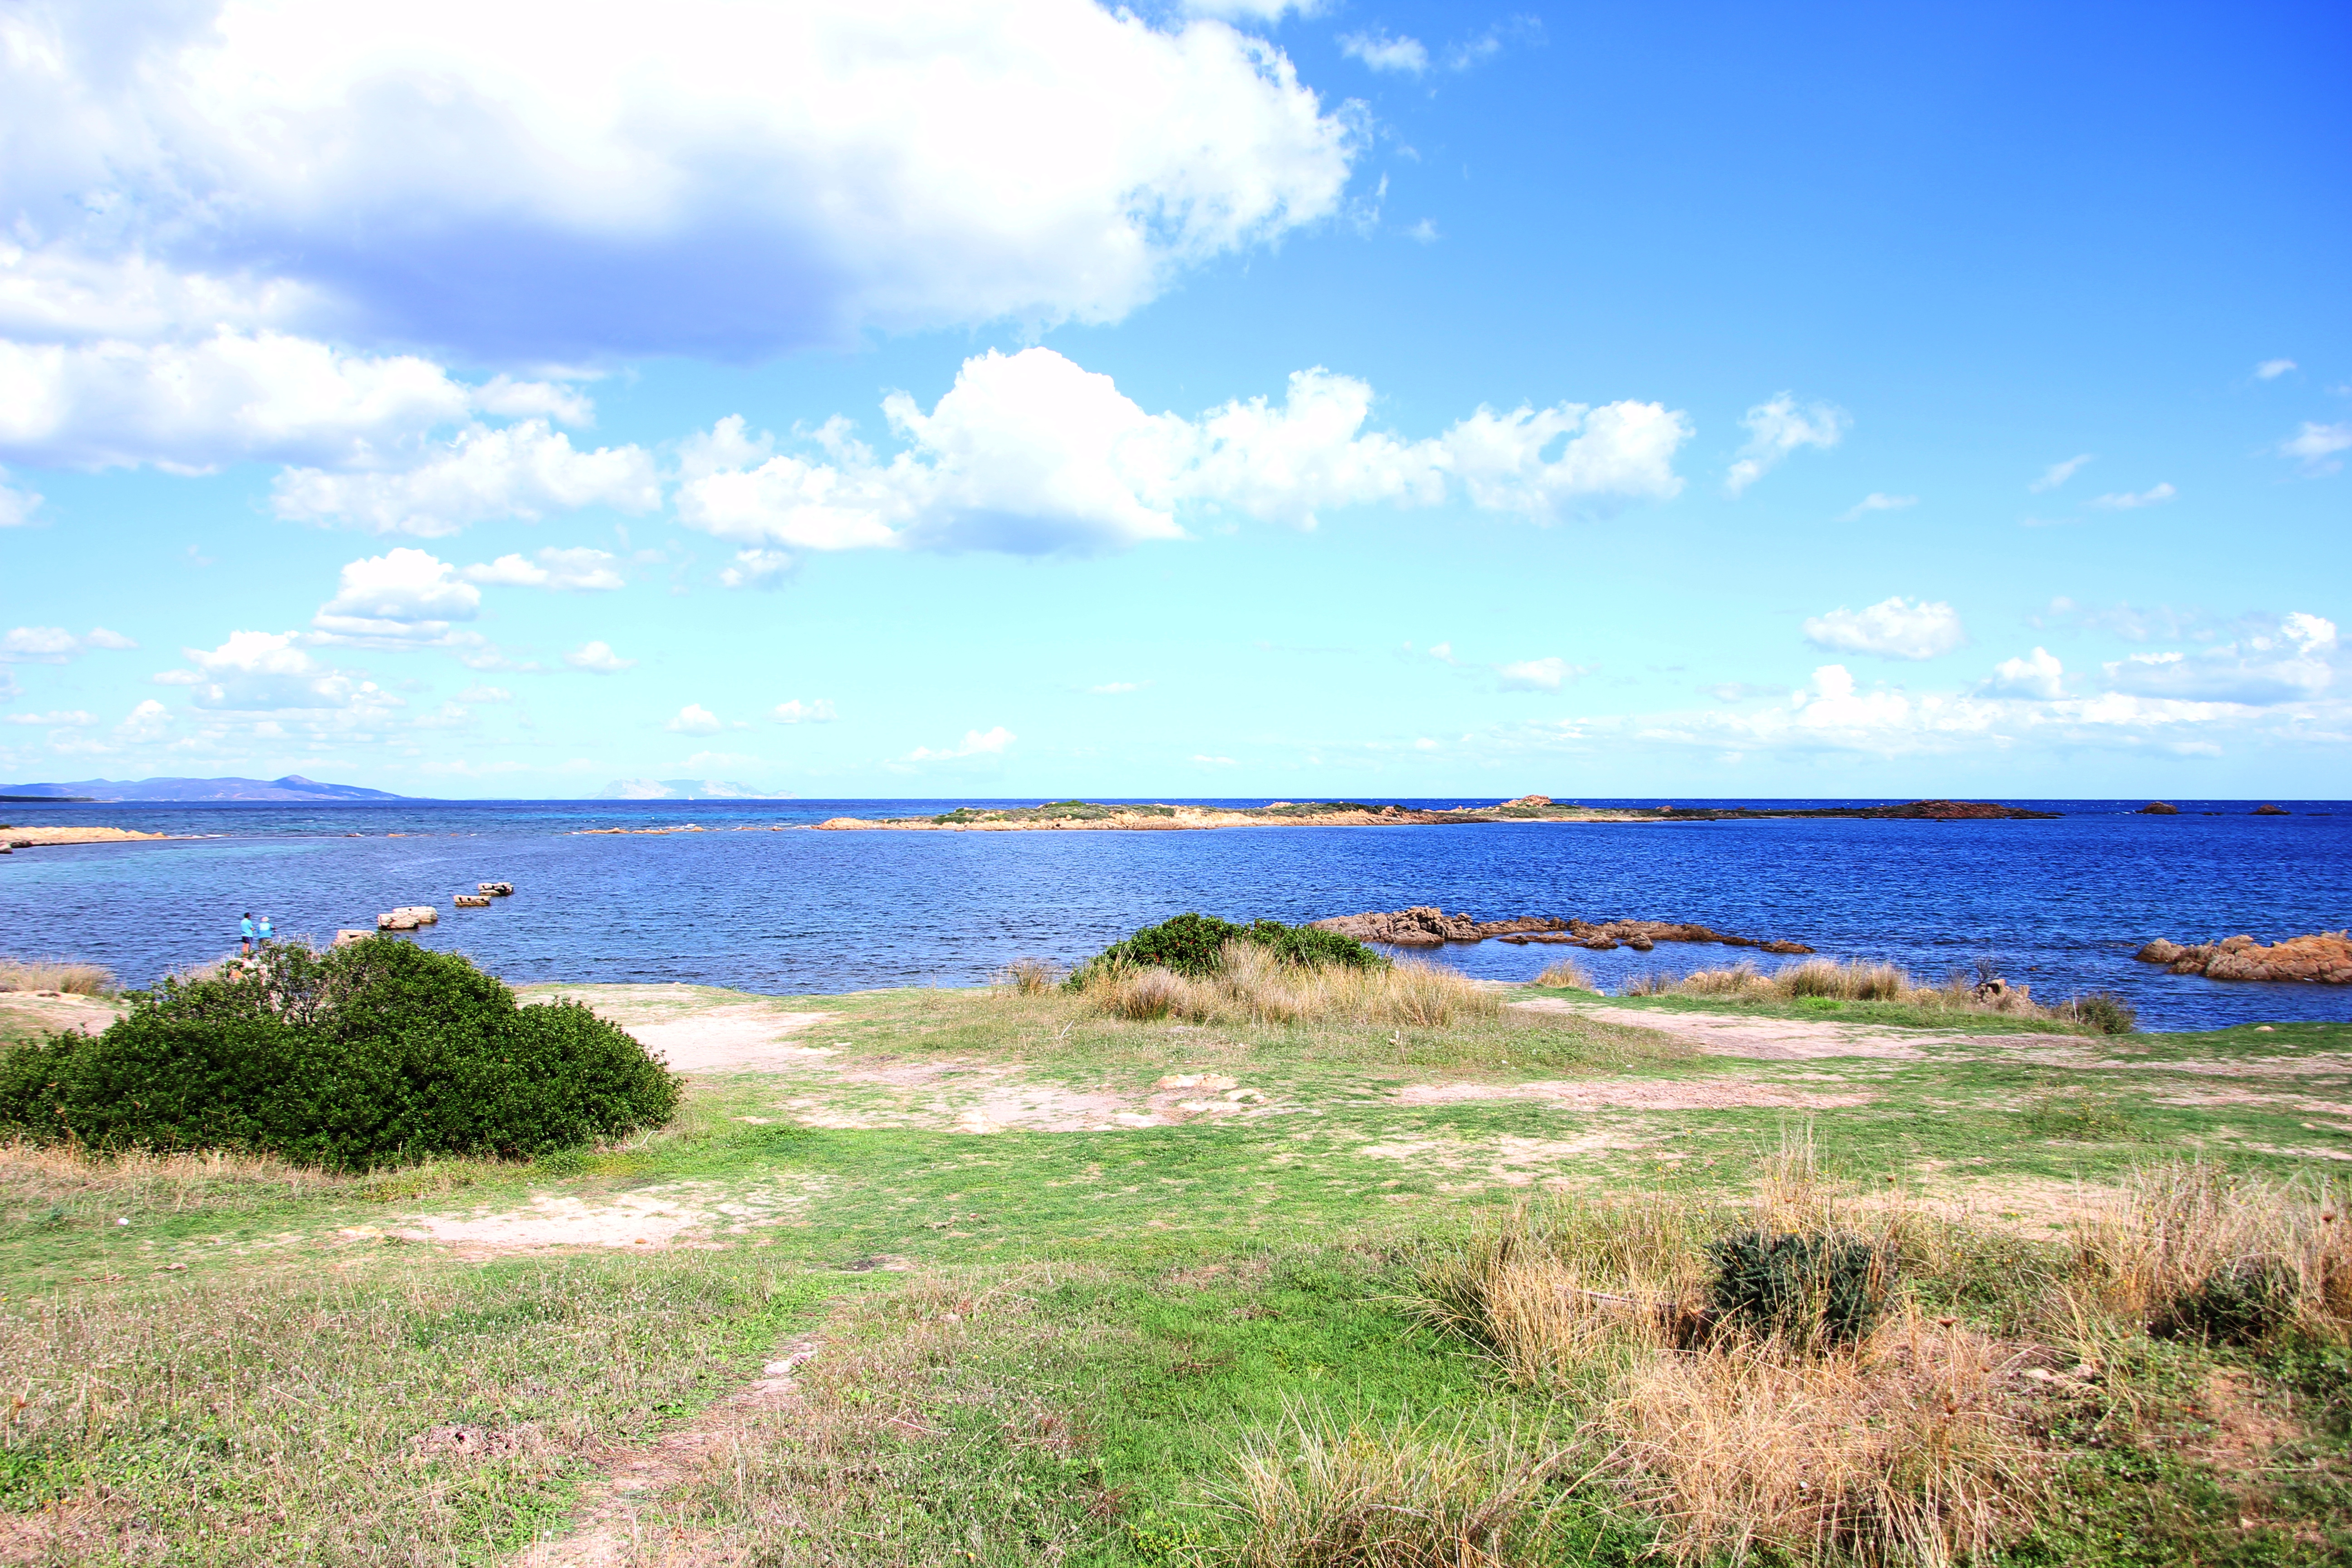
x=1905, y=1445
x=1566, y=974
x=1254, y=987
x=56, y=974
x=1031, y=977
x=1859, y=980
x=1318, y=1493
x=2194, y=1248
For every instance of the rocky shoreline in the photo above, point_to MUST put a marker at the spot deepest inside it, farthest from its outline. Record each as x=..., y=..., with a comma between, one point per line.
x=1088, y=816
x=1425, y=925
x=2324, y=958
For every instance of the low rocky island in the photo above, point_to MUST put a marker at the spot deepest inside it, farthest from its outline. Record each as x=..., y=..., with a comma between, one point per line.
x=1425, y=925
x=1128, y=817
x=2324, y=957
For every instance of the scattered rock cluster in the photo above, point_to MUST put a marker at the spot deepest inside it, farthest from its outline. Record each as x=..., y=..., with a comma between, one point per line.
x=2324, y=958
x=1427, y=926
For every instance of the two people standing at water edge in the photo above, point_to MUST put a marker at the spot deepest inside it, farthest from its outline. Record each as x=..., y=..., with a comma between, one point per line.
x=249, y=933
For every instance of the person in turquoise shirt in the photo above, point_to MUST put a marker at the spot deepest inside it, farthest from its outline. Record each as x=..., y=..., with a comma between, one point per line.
x=265, y=932
x=245, y=927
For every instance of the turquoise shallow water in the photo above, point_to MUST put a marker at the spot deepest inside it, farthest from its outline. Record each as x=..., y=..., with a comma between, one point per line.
x=2061, y=904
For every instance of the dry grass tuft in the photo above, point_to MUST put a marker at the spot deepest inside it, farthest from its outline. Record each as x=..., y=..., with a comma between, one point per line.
x=1031, y=977
x=56, y=974
x=1316, y=1494
x=1903, y=1449
x=1254, y=987
x=1567, y=975
x=1855, y=980
x=1905, y=1445
x=2202, y=1252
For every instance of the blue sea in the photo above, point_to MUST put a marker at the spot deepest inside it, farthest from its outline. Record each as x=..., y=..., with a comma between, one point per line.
x=2060, y=905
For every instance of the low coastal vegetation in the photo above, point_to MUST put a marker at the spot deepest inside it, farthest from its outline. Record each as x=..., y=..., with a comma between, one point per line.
x=1210, y=971
x=1028, y=1274
x=1857, y=980
x=60, y=974
x=377, y=1053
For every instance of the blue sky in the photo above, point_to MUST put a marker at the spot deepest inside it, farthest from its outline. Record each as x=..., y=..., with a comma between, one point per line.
x=1035, y=399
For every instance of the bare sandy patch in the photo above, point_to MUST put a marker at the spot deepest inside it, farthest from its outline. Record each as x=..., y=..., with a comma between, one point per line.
x=688, y=1214
x=1507, y=1160
x=58, y=1010
x=739, y=1038
x=1634, y=1094
x=1759, y=1040
x=2253, y=1066
x=2282, y=1103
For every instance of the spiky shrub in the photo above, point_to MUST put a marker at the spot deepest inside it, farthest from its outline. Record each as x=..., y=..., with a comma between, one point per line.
x=2245, y=1301
x=1817, y=1288
x=1566, y=974
x=1195, y=946
x=1031, y=977
x=375, y=1054
x=2103, y=1011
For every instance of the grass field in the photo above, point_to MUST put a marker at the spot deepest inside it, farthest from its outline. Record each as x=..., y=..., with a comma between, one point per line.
x=981, y=1276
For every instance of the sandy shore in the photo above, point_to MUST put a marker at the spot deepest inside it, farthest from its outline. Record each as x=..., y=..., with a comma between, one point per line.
x=22, y=838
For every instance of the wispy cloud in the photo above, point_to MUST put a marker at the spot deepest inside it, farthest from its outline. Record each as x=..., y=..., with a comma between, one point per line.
x=1778, y=427
x=598, y=659
x=2131, y=500
x=2271, y=369
x=1892, y=628
x=1382, y=52
x=1115, y=687
x=975, y=744
x=1537, y=674
x=2315, y=446
x=1874, y=501
x=2057, y=474
x=793, y=710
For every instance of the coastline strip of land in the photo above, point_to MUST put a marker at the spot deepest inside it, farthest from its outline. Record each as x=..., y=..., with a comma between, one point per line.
x=1091, y=815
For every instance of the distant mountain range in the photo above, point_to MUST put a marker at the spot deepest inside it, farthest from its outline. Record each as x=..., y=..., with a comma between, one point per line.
x=685, y=789
x=292, y=787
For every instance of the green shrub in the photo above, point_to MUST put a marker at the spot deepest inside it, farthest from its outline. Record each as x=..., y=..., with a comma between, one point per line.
x=1819, y=1288
x=2105, y=1012
x=2243, y=1302
x=374, y=1053
x=1194, y=945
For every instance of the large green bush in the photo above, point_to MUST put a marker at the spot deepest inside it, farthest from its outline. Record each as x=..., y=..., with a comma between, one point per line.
x=1195, y=945
x=374, y=1053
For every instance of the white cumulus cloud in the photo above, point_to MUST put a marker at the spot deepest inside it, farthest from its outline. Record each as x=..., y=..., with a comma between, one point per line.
x=521, y=470
x=741, y=178
x=38, y=645
x=2290, y=658
x=402, y=595
x=2038, y=676
x=597, y=658
x=793, y=710
x=1892, y=628
x=1031, y=454
x=1778, y=427
x=694, y=719
x=256, y=672
x=581, y=569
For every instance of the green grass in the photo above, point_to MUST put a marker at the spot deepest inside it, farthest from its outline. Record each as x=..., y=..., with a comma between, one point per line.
x=248, y=1364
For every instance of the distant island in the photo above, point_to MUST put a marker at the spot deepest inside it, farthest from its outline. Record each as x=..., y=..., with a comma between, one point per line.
x=293, y=787
x=685, y=789
x=1088, y=814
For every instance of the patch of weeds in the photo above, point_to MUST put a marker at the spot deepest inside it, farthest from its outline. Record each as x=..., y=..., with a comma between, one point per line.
x=2077, y=1116
x=1804, y=1288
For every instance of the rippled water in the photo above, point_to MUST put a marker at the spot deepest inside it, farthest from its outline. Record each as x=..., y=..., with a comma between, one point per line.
x=2062, y=904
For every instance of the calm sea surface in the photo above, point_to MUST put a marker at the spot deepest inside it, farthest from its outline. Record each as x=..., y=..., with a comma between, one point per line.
x=2061, y=904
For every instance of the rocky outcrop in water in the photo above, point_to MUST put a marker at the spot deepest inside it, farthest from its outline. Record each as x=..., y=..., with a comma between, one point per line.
x=2324, y=958
x=2157, y=808
x=2267, y=810
x=1425, y=925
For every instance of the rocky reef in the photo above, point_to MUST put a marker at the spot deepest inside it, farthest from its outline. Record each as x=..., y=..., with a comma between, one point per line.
x=2157, y=808
x=1425, y=925
x=2323, y=958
